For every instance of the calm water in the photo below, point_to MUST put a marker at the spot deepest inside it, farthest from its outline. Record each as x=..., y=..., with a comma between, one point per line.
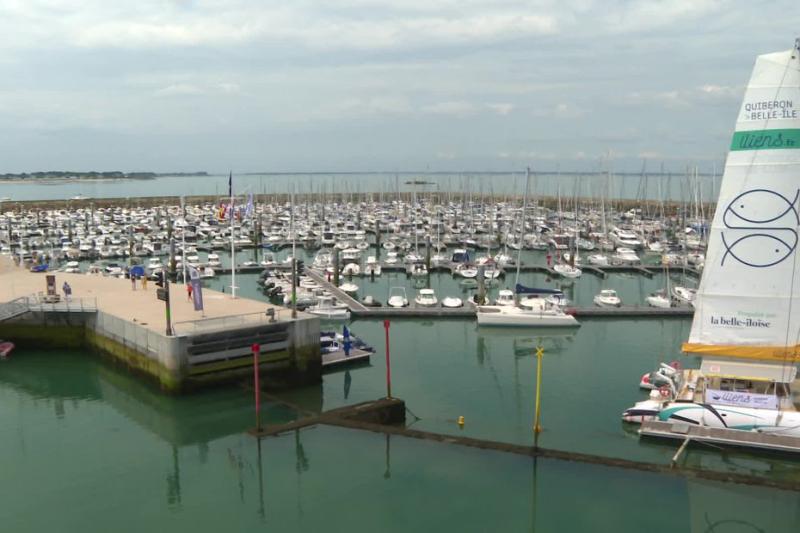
x=673, y=187
x=87, y=448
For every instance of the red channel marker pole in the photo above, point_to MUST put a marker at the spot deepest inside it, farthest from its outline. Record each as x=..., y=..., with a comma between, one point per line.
x=388, y=366
x=256, y=351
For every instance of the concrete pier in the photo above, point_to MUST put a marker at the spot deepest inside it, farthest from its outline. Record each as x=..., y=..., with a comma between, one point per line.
x=106, y=314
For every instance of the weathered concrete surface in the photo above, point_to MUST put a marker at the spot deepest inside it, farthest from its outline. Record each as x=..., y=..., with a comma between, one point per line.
x=130, y=326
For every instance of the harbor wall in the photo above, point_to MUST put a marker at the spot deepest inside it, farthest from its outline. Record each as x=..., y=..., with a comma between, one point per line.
x=290, y=349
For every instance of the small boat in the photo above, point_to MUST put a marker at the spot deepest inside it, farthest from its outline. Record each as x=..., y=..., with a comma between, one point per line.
x=418, y=270
x=684, y=295
x=349, y=288
x=397, y=297
x=607, y=298
x=451, y=302
x=426, y=298
x=372, y=267
x=6, y=347
x=625, y=256
x=351, y=269
x=370, y=301
x=466, y=271
x=666, y=374
x=505, y=297
x=327, y=307
x=659, y=299
x=568, y=271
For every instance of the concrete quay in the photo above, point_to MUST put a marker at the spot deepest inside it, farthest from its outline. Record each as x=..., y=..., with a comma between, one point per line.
x=107, y=315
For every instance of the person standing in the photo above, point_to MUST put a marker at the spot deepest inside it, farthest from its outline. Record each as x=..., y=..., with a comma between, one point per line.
x=144, y=283
x=189, y=291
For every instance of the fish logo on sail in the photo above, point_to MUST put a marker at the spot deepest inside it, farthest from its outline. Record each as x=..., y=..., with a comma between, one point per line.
x=761, y=228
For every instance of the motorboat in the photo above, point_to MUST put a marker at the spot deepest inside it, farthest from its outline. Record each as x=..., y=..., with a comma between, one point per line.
x=505, y=297
x=397, y=297
x=684, y=295
x=466, y=271
x=327, y=307
x=6, y=347
x=598, y=260
x=665, y=374
x=451, y=302
x=659, y=299
x=370, y=301
x=567, y=270
x=625, y=256
x=349, y=288
x=351, y=269
x=417, y=270
x=372, y=267
x=607, y=298
x=426, y=298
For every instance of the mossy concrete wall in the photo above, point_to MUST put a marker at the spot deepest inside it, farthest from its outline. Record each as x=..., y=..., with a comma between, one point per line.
x=163, y=358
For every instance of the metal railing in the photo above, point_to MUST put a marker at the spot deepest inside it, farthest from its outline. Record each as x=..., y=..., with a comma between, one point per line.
x=43, y=303
x=14, y=308
x=220, y=323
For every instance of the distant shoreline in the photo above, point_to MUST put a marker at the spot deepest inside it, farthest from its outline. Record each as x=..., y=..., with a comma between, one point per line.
x=62, y=176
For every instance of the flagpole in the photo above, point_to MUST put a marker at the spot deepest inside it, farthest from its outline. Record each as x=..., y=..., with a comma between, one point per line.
x=183, y=239
x=233, y=248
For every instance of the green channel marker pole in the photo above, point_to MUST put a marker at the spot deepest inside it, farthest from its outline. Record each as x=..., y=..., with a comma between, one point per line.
x=388, y=366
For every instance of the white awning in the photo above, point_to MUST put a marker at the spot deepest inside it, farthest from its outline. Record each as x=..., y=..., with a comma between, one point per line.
x=750, y=371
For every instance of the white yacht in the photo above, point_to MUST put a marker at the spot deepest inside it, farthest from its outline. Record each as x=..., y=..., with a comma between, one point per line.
x=568, y=271
x=372, y=267
x=327, y=307
x=397, y=297
x=426, y=298
x=452, y=302
x=607, y=298
x=505, y=297
x=625, y=256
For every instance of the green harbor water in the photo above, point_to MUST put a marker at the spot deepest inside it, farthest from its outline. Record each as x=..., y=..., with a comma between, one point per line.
x=86, y=447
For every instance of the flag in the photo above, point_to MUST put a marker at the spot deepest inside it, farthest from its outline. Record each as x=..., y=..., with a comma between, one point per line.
x=197, y=288
x=230, y=185
x=248, y=211
x=347, y=343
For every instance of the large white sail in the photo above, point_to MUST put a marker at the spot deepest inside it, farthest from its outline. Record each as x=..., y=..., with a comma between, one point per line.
x=748, y=303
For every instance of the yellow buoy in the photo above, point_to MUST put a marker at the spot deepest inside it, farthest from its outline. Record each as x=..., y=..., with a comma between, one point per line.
x=461, y=421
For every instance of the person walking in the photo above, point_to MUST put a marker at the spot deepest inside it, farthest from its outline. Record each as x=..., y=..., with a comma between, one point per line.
x=189, y=292
x=144, y=283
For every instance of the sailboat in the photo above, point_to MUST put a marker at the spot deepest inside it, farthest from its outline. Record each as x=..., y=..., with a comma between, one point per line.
x=536, y=311
x=746, y=325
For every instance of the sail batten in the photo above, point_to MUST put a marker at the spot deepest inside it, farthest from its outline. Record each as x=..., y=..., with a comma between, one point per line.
x=748, y=302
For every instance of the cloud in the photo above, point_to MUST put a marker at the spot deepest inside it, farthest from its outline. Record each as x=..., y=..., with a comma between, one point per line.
x=501, y=108
x=179, y=89
x=454, y=108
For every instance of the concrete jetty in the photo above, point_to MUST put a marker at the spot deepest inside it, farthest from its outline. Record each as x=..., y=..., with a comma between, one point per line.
x=106, y=314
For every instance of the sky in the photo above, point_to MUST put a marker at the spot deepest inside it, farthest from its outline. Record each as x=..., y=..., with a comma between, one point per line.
x=377, y=85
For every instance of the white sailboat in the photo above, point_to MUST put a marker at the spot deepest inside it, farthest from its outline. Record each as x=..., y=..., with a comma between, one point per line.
x=532, y=311
x=746, y=325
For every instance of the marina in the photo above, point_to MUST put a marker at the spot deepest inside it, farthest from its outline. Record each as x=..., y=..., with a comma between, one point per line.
x=390, y=268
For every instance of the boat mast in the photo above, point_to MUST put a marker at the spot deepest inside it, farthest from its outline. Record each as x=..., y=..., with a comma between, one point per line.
x=522, y=226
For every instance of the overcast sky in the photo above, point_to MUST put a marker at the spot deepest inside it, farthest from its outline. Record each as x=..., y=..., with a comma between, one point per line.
x=352, y=85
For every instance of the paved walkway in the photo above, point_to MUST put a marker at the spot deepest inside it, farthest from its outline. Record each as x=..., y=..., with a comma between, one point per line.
x=116, y=297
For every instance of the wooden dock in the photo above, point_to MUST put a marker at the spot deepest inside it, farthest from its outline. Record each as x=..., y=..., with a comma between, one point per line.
x=334, y=360
x=730, y=437
x=359, y=310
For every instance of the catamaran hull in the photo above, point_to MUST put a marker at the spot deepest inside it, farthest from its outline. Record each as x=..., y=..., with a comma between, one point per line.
x=717, y=416
x=523, y=319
